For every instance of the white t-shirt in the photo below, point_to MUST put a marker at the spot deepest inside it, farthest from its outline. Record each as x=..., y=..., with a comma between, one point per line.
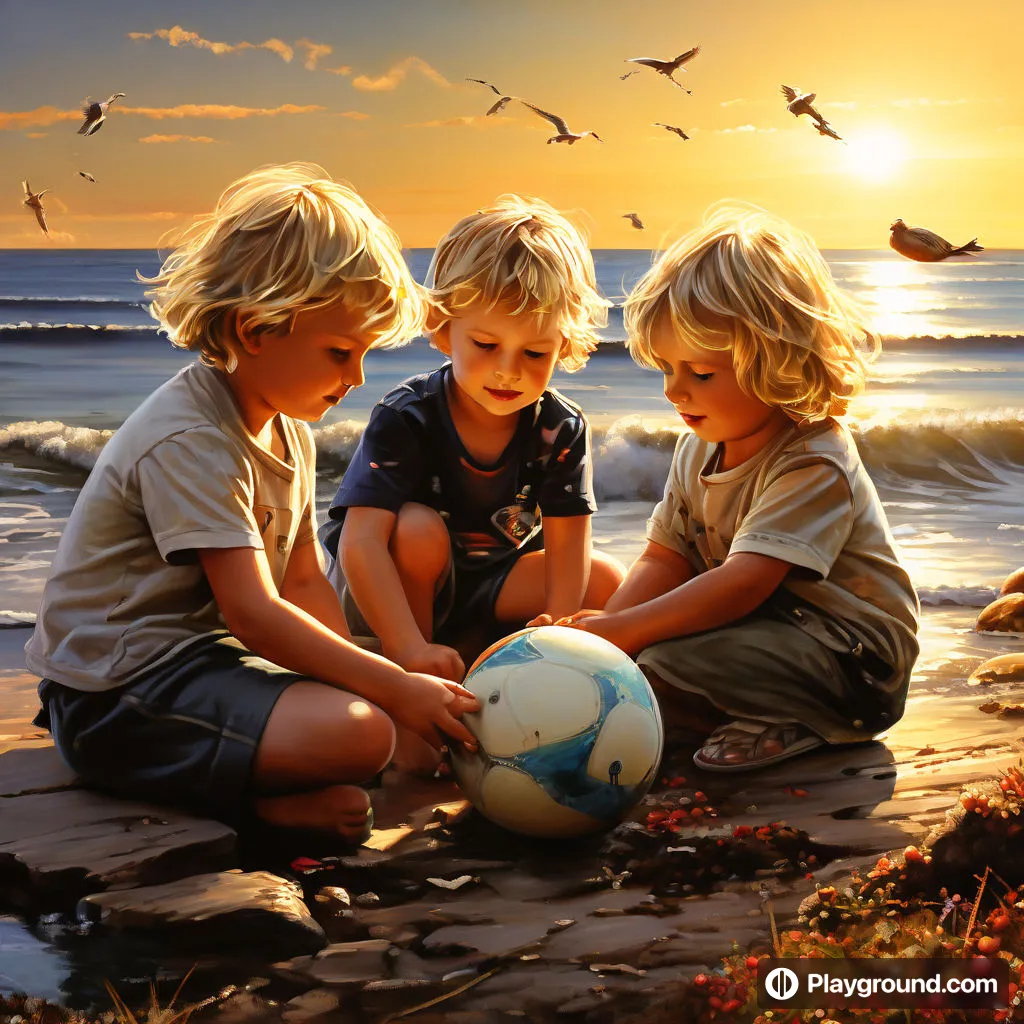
x=805, y=498
x=182, y=472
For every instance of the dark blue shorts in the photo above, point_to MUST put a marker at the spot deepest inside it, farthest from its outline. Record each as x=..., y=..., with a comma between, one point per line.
x=183, y=733
x=464, y=606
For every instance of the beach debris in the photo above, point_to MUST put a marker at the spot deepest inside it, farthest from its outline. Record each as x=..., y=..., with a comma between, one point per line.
x=1004, y=615
x=96, y=114
x=635, y=71
x=86, y=175
x=1005, y=668
x=671, y=128
x=503, y=100
x=925, y=246
x=668, y=67
x=617, y=969
x=564, y=134
x=634, y=219
x=35, y=201
x=801, y=103
x=451, y=883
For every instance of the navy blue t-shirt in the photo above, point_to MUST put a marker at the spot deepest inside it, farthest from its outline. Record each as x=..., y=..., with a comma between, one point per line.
x=411, y=451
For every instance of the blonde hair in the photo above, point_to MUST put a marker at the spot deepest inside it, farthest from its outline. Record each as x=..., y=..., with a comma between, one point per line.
x=521, y=253
x=283, y=239
x=798, y=342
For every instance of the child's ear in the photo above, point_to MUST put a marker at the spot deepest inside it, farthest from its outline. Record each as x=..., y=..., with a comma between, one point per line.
x=437, y=327
x=242, y=330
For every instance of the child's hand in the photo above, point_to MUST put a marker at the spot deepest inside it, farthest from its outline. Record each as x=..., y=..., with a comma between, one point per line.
x=578, y=617
x=542, y=620
x=602, y=624
x=430, y=706
x=434, y=660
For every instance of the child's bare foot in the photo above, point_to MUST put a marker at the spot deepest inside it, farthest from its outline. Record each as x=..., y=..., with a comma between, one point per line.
x=342, y=810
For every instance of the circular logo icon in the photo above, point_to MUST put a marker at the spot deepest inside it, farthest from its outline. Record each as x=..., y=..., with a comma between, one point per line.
x=781, y=983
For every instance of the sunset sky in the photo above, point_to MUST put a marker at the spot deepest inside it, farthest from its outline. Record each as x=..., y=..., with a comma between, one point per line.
x=929, y=97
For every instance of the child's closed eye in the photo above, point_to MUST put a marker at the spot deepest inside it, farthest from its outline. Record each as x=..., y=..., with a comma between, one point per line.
x=485, y=346
x=534, y=355
x=341, y=354
x=702, y=376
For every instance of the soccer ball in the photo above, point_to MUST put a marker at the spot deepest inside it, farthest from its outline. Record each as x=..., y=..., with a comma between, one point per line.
x=569, y=733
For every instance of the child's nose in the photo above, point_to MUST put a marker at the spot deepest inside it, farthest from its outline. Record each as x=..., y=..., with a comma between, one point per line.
x=508, y=370
x=354, y=376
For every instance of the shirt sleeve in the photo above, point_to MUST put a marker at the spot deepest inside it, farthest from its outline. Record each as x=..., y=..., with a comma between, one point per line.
x=307, y=517
x=669, y=521
x=386, y=468
x=804, y=516
x=567, y=488
x=197, y=492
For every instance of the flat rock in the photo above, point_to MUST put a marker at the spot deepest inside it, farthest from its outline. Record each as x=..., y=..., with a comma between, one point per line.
x=56, y=847
x=211, y=912
x=28, y=770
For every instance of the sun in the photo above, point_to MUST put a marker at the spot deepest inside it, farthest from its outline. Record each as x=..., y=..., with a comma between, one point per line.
x=875, y=155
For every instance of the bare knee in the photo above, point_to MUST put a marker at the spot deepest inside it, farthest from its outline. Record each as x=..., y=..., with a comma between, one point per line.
x=419, y=542
x=318, y=735
x=606, y=573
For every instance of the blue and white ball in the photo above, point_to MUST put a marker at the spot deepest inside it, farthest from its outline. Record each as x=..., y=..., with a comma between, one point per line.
x=569, y=732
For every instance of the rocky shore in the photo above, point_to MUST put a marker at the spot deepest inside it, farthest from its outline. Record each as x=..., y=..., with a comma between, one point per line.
x=441, y=906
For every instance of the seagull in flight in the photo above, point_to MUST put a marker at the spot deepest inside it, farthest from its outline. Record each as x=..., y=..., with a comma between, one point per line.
x=564, y=134
x=635, y=71
x=671, y=128
x=824, y=128
x=35, y=201
x=667, y=67
x=502, y=99
x=635, y=220
x=800, y=103
x=925, y=246
x=87, y=175
x=95, y=115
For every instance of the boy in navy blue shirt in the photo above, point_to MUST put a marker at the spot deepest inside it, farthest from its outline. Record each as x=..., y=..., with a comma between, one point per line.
x=466, y=508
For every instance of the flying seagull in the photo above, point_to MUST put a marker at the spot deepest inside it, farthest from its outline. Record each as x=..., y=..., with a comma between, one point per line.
x=925, y=246
x=800, y=103
x=87, y=175
x=824, y=128
x=35, y=200
x=95, y=115
x=671, y=128
x=667, y=67
x=635, y=71
x=635, y=220
x=502, y=99
x=564, y=135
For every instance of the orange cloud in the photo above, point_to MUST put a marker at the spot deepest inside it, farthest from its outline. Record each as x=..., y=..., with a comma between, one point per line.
x=314, y=51
x=36, y=135
x=217, y=111
x=177, y=138
x=41, y=116
x=353, y=115
x=463, y=121
x=178, y=36
x=46, y=116
x=341, y=69
x=393, y=77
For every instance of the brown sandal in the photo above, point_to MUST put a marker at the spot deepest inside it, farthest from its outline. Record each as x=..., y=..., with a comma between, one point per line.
x=745, y=745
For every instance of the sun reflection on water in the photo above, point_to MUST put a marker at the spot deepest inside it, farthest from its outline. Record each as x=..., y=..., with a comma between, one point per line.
x=899, y=301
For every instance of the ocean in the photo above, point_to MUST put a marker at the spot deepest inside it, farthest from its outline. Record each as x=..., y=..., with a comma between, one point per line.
x=940, y=427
